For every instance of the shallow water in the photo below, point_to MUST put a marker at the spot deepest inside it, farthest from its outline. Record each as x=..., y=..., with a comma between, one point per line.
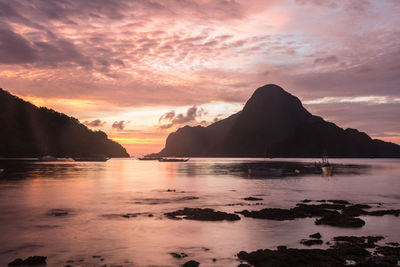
x=96, y=194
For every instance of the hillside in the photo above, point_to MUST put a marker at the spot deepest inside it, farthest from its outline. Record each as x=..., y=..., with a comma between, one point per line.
x=274, y=123
x=29, y=131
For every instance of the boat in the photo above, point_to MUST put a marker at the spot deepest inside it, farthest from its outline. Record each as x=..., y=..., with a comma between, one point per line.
x=172, y=160
x=149, y=158
x=100, y=158
x=326, y=167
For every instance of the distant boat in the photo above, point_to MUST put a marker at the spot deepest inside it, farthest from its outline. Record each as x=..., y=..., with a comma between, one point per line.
x=92, y=158
x=149, y=158
x=326, y=167
x=47, y=158
x=172, y=160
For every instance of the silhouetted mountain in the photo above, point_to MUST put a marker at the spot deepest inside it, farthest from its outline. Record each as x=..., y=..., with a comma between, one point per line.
x=274, y=123
x=29, y=131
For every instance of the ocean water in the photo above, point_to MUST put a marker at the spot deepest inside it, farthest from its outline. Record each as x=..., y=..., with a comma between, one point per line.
x=96, y=194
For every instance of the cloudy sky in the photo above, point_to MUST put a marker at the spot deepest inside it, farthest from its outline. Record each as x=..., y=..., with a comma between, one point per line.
x=140, y=69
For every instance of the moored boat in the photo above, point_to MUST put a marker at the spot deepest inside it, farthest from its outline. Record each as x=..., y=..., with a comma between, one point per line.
x=326, y=167
x=172, y=160
x=149, y=158
x=92, y=158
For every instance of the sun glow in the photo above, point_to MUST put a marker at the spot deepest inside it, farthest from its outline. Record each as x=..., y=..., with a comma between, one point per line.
x=134, y=141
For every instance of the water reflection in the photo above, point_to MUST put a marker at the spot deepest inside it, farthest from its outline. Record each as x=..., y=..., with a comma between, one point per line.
x=72, y=211
x=268, y=169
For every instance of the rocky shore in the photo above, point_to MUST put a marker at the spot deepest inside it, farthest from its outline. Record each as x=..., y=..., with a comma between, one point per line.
x=360, y=251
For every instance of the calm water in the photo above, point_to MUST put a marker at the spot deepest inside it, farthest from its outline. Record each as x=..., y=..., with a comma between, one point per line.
x=95, y=194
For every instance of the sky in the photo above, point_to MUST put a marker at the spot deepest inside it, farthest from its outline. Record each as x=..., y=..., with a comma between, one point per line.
x=140, y=69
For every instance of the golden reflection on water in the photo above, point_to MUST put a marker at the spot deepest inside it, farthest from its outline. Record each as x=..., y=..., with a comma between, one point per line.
x=96, y=194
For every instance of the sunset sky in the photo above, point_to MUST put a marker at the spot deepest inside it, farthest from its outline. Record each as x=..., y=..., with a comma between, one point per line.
x=140, y=69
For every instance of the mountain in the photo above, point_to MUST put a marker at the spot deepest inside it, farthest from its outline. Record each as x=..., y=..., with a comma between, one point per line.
x=29, y=131
x=274, y=123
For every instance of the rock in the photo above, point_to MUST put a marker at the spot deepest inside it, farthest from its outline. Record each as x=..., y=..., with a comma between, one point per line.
x=350, y=239
x=270, y=214
x=281, y=247
x=340, y=221
x=30, y=261
x=338, y=213
x=16, y=262
x=202, y=215
x=316, y=235
x=355, y=210
x=300, y=211
x=244, y=265
x=58, y=212
x=384, y=212
x=394, y=244
x=361, y=241
x=178, y=255
x=337, y=201
x=214, y=259
x=130, y=215
x=252, y=199
x=189, y=198
x=311, y=242
x=323, y=206
x=191, y=263
x=292, y=257
x=348, y=250
x=306, y=201
x=389, y=251
x=374, y=261
x=373, y=239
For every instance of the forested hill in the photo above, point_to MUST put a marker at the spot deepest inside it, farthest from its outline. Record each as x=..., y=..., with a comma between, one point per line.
x=30, y=131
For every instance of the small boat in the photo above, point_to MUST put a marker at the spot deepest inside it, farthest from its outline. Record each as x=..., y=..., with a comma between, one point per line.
x=92, y=158
x=149, y=158
x=326, y=167
x=172, y=160
x=47, y=158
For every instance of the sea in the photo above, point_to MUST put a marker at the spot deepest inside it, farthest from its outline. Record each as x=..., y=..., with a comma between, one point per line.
x=113, y=213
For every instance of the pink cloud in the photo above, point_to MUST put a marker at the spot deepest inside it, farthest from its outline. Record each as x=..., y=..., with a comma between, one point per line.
x=185, y=53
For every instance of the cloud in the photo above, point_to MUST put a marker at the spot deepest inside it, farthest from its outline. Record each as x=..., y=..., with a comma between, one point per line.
x=167, y=116
x=190, y=115
x=131, y=54
x=326, y=60
x=169, y=119
x=119, y=125
x=15, y=49
x=353, y=5
x=372, y=119
x=94, y=123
